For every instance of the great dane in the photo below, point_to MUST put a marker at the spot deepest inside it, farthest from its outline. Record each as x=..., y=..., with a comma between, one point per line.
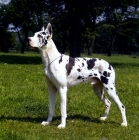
x=63, y=71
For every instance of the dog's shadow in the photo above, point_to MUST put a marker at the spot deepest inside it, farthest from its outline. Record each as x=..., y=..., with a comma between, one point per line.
x=70, y=118
x=83, y=118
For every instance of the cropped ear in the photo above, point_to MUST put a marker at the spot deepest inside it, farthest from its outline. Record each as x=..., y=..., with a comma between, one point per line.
x=42, y=28
x=49, y=29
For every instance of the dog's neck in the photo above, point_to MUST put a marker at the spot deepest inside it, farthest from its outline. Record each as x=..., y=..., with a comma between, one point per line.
x=49, y=53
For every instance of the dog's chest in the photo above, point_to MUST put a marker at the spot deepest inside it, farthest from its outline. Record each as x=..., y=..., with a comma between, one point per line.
x=50, y=72
x=55, y=75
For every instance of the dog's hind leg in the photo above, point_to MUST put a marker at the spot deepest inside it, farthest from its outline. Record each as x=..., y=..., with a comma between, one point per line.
x=99, y=91
x=52, y=96
x=112, y=93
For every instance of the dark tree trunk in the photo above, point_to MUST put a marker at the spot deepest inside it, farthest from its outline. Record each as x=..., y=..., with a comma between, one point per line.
x=24, y=41
x=90, y=47
x=5, y=48
x=75, y=33
x=75, y=39
x=23, y=48
x=64, y=45
x=111, y=45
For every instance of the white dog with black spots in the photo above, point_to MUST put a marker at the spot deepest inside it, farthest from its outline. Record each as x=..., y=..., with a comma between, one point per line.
x=63, y=71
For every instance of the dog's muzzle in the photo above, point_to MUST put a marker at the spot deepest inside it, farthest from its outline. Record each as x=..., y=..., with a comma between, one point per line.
x=29, y=40
x=29, y=43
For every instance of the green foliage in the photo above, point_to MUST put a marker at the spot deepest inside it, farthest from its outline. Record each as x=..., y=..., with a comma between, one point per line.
x=24, y=103
x=77, y=26
x=7, y=40
x=26, y=15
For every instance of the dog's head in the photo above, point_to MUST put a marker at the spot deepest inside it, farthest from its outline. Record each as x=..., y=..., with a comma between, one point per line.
x=41, y=38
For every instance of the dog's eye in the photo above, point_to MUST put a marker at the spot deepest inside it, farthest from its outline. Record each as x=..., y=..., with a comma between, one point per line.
x=39, y=36
x=47, y=36
x=43, y=33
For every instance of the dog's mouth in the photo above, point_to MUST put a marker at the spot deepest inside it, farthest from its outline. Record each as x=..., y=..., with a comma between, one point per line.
x=30, y=44
x=33, y=48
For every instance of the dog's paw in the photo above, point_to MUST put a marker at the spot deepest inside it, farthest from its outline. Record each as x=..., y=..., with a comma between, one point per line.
x=44, y=123
x=61, y=126
x=124, y=124
x=103, y=118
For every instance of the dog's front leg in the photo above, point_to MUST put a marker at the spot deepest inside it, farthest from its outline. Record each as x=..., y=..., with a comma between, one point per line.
x=52, y=97
x=63, y=104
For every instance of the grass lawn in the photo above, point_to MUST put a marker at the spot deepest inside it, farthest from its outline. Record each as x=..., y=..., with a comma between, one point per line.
x=24, y=103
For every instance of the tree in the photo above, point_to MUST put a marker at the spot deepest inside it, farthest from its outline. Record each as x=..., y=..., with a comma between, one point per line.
x=73, y=21
x=7, y=39
x=74, y=16
x=114, y=13
x=26, y=17
x=127, y=39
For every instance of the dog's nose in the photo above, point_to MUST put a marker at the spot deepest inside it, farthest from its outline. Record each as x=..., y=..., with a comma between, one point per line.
x=29, y=39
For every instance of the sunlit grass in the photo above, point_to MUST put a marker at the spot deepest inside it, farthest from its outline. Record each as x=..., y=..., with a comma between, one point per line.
x=24, y=103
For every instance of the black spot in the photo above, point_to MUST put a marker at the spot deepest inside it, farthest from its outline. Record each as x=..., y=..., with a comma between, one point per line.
x=109, y=67
x=43, y=33
x=48, y=36
x=90, y=75
x=91, y=63
x=70, y=65
x=104, y=80
x=107, y=88
x=111, y=88
x=78, y=70
x=82, y=64
x=60, y=60
x=83, y=78
x=79, y=77
x=39, y=36
x=45, y=41
x=95, y=74
x=106, y=74
x=77, y=59
x=123, y=106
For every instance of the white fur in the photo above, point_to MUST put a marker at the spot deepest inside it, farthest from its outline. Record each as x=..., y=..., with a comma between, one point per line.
x=62, y=71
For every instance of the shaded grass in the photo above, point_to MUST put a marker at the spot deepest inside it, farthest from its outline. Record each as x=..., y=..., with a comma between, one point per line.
x=24, y=103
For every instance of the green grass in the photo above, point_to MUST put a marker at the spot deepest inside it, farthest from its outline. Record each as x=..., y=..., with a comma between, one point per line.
x=24, y=103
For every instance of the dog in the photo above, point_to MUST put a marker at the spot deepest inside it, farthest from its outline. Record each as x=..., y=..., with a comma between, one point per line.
x=63, y=71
